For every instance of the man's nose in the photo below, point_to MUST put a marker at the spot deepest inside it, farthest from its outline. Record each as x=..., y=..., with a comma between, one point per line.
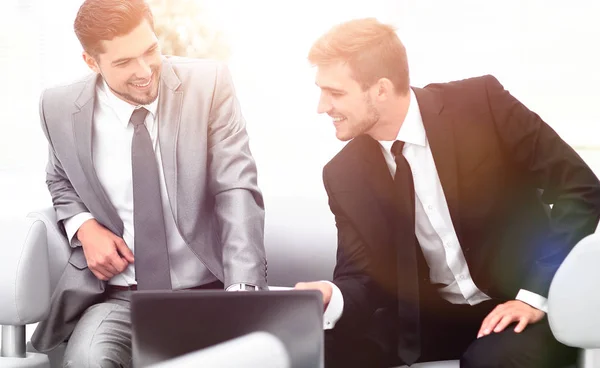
x=324, y=105
x=144, y=70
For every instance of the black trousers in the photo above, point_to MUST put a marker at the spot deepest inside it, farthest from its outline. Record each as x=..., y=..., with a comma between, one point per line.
x=448, y=332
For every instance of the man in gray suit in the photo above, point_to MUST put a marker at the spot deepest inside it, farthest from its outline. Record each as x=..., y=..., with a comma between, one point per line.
x=152, y=179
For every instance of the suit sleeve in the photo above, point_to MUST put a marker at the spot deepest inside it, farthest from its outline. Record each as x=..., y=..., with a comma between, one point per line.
x=552, y=165
x=352, y=272
x=65, y=200
x=239, y=208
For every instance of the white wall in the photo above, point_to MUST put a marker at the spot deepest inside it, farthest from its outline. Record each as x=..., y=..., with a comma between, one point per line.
x=544, y=52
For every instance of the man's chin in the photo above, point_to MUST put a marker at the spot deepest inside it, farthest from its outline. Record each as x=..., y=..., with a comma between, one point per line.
x=136, y=97
x=343, y=136
x=142, y=99
x=147, y=100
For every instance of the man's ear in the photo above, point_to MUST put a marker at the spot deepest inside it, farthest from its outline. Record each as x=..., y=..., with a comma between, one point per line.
x=384, y=89
x=91, y=62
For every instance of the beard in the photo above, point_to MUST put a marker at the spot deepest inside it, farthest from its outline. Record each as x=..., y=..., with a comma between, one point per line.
x=141, y=99
x=362, y=126
x=371, y=117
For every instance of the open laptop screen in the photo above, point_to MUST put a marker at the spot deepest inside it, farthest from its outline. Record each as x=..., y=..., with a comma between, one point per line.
x=167, y=324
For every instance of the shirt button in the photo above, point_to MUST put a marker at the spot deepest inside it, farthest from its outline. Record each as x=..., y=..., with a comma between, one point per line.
x=430, y=207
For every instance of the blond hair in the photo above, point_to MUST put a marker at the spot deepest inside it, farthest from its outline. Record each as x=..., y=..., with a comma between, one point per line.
x=371, y=49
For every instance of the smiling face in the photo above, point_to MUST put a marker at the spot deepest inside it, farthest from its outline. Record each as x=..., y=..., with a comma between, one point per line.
x=344, y=100
x=130, y=65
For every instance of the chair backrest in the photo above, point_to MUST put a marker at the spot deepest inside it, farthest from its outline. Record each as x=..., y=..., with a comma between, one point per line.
x=300, y=239
x=574, y=297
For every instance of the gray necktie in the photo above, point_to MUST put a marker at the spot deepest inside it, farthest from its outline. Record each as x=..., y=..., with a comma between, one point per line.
x=151, y=256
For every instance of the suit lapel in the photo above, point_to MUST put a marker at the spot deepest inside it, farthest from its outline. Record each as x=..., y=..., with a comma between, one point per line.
x=379, y=176
x=82, y=131
x=389, y=215
x=380, y=204
x=441, y=141
x=169, y=118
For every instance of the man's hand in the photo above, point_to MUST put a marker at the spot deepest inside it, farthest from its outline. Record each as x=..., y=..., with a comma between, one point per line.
x=507, y=313
x=106, y=254
x=323, y=287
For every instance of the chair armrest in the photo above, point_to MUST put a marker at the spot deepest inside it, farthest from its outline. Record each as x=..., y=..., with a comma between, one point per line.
x=24, y=283
x=574, y=297
x=59, y=249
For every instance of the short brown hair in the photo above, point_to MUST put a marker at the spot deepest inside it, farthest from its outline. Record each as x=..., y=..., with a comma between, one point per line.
x=99, y=20
x=371, y=49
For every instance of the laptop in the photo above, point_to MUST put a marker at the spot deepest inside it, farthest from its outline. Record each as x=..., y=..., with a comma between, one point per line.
x=168, y=324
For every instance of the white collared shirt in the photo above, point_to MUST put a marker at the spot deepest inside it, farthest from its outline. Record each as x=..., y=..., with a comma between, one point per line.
x=111, y=152
x=433, y=225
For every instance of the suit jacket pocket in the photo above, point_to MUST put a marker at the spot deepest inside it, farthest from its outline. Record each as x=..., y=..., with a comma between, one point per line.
x=77, y=258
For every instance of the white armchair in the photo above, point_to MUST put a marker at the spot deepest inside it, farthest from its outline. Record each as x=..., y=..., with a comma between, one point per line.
x=24, y=287
x=35, y=252
x=34, y=255
x=574, y=301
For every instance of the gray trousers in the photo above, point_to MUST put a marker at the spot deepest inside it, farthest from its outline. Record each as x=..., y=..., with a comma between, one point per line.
x=102, y=337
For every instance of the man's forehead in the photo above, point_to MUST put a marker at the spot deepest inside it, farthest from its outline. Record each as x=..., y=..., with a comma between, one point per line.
x=122, y=49
x=334, y=76
x=130, y=45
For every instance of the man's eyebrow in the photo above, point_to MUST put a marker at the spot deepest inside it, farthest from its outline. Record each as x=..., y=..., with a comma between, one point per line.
x=153, y=46
x=331, y=89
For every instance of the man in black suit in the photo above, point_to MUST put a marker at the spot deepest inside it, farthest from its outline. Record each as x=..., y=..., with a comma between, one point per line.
x=446, y=241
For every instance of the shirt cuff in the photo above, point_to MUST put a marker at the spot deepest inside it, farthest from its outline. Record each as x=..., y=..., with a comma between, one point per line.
x=72, y=224
x=241, y=287
x=334, y=310
x=535, y=300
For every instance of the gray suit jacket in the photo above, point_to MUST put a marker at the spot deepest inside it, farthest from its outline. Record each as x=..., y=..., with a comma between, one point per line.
x=210, y=175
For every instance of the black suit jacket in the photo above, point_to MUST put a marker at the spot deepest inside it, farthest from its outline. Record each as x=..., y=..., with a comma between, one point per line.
x=494, y=157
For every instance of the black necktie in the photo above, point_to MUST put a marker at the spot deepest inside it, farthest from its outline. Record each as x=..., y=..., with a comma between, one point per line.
x=409, y=340
x=151, y=257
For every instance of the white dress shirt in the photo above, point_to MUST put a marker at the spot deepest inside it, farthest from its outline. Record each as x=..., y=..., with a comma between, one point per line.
x=433, y=224
x=111, y=152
